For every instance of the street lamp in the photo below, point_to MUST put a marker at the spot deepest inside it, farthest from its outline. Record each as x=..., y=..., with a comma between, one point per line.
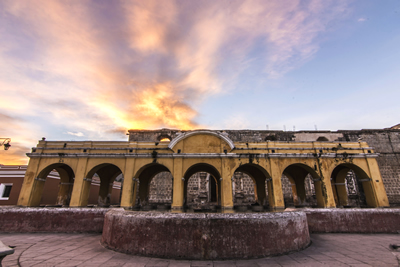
x=6, y=143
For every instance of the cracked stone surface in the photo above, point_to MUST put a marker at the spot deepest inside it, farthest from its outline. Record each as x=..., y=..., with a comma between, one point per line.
x=39, y=249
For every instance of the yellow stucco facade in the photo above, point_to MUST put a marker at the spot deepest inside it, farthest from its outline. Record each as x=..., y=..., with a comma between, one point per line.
x=203, y=151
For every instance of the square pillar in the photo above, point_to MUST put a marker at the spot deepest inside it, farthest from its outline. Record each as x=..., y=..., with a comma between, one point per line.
x=81, y=190
x=325, y=198
x=226, y=185
x=28, y=191
x=377, y=191
x=128, y=197
x=178, y=185
x=276, y=200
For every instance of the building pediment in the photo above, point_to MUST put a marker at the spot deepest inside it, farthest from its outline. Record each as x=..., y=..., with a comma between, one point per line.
x=202, y=141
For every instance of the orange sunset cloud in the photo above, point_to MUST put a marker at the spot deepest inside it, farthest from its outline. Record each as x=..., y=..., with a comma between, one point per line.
x=101, y=68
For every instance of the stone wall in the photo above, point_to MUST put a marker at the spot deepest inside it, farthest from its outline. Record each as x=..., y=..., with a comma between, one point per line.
x=161, y=189
x=56, y=220
x=353, y=220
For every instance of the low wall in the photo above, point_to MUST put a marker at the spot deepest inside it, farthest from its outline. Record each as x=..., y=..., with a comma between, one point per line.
x=353, y=220
x=67, y=220
x=25, y=220
x=205, y=235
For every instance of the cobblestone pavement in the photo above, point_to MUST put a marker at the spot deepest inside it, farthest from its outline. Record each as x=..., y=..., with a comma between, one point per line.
x=85, y=250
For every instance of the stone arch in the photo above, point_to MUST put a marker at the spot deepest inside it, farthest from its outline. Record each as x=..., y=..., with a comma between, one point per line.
x=297, y=174
x=259, y=176
x=102, y=175
x=145, y=174
x=44, y=184
x=322, y=139
x=366, y=196
x=191, y=133
x=205, y=168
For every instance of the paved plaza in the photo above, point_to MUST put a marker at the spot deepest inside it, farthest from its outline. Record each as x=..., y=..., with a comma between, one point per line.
x=49, y=249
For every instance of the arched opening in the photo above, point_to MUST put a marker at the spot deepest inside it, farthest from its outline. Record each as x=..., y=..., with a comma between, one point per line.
x=105, y=185
x=202, y=188
x=164, y=138
x=54, y=185
x=251, y=188
x=271, y=137
x=305, y=184
x=322, y=139
x=155, y=187
x=352, y=187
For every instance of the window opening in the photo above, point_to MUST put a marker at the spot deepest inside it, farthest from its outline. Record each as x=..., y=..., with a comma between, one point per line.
x=5, y=190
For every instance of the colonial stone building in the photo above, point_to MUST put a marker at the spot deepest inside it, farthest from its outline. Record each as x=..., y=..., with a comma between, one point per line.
x=386, y=142
x=206, y=169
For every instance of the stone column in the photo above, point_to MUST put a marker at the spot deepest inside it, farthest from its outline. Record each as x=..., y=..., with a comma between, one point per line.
x=28, y=191
x=128, y=197
x=80, y=192
x=325, y=198
x=104, y=192
x=178, y=185
x=374, y=189
x=276, y=200
x=64, y=193
x=37, y=192
x=340, y=187
x=226, y=184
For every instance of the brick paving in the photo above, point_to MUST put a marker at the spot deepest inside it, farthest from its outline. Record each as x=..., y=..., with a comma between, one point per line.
x=49, y=249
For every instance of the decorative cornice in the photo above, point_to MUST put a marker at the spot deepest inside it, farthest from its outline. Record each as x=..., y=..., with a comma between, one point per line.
x=204, y=155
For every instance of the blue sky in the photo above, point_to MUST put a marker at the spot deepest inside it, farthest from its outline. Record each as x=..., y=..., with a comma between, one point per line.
x=90, y=70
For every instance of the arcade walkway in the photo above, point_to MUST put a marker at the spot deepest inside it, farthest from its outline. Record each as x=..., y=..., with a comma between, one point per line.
x=85, y=250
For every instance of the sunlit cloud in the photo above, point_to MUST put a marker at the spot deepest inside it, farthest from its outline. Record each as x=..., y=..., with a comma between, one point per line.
x=101, y=68
x=76, y=134
x=361, y=19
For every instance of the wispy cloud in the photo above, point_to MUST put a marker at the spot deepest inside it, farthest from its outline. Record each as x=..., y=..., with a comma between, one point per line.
x=99, y=67
x=76, y=134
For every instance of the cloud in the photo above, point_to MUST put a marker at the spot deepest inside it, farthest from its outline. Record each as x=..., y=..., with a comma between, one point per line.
x=14, y=155
x=92, y=67
x=76, y=134
x=361, y=19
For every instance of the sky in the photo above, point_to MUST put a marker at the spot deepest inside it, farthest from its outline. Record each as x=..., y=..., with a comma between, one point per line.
x=91, y=70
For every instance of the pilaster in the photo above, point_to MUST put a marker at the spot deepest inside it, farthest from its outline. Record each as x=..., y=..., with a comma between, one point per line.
x=276, y=200
x=178, y=185
x=81, y=190
x=226, y=183
x=128, y=188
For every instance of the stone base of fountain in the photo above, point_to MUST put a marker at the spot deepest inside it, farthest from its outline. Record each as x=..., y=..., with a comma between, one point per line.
x=205, y=236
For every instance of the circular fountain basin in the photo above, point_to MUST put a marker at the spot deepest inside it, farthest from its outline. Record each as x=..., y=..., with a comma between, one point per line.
x=205, y=236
